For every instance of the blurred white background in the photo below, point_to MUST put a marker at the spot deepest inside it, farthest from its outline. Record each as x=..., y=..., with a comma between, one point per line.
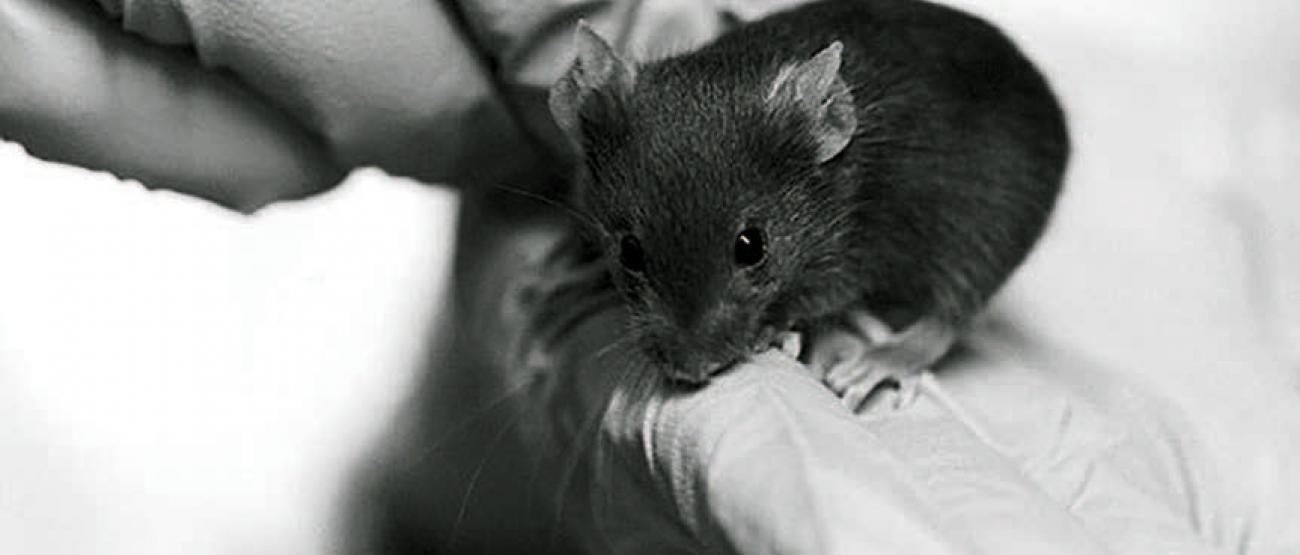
x=1181, y=102
x=176, y=378
x=174, y=375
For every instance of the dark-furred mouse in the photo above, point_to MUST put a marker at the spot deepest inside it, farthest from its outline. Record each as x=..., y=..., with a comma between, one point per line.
x=895, y=156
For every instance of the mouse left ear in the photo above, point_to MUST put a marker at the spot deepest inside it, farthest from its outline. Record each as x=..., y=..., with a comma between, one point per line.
x=596, y=69
x=815, y=90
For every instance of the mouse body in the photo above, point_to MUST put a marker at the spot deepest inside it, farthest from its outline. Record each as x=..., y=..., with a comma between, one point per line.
x=893, y=156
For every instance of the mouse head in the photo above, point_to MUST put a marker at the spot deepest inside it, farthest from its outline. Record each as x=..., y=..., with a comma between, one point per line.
x=711, y=182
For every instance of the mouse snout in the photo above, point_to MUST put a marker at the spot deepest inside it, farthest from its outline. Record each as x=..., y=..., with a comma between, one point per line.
x=695, y=371
x=687, y=362
x=694, y=353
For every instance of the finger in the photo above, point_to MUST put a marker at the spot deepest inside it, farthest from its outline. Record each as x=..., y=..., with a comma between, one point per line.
x=389, y=84
x=77, y=90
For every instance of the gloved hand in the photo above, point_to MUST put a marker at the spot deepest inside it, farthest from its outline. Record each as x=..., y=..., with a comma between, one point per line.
x=250, y=102
x=544, y=437
x=767, y=460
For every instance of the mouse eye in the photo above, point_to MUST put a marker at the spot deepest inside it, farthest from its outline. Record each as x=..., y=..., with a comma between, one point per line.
x=750, y=249
x=630, y=254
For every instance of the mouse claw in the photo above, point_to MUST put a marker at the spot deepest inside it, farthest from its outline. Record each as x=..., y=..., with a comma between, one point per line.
x=909, y=389
x=864, y=390
x=790, y=343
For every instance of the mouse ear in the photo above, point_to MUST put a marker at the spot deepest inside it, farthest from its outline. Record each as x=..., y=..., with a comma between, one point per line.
x=596, y=69
x=815, y=90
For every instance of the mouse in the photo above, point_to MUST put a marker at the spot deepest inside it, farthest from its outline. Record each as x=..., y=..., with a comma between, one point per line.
x=879, y=164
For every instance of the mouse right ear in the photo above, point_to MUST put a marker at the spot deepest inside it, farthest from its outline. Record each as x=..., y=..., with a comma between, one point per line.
x=596, y=69
x=815, y=91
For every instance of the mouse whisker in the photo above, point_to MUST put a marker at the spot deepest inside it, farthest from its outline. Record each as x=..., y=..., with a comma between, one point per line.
x=464, y=424
x=588, y=435
x=541, y=457
x=496, y=440
x=635, y=388
x=567, y=208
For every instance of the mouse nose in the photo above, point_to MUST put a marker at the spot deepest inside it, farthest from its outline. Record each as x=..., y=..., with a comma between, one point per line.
x=693, y=370
x=687, y=356
x=697, y=375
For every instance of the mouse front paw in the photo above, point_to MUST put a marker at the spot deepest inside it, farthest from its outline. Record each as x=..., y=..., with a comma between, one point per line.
x=866, y=363
x=863, y=381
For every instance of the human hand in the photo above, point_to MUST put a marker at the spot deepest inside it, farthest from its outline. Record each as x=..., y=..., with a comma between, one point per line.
x=1013, y=445
x=245, y=103
x=251, y=102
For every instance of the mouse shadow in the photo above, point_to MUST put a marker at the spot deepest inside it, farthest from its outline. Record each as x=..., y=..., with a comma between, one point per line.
x=467, y=465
